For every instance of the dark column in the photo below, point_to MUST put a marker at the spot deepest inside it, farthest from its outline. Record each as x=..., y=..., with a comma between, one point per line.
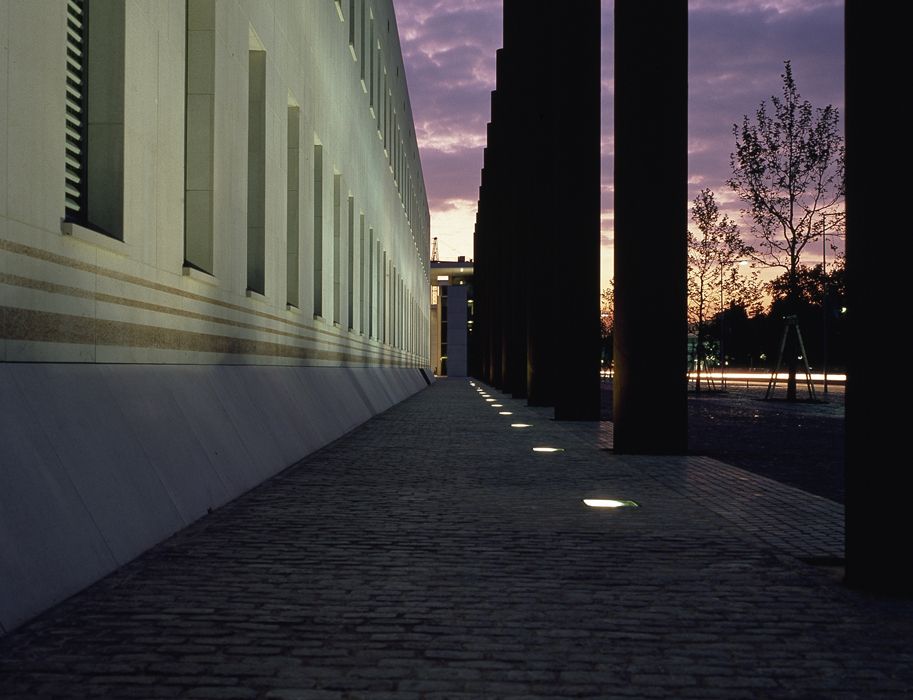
x=576, y=235
x=537, y=197
x=477, y=335
x=495, y=227
x=878, y=555
x=519, y=83
x=540, y=199
x=651, y=99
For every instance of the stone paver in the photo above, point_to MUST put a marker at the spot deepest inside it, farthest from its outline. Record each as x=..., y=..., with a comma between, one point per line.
x=432, y=554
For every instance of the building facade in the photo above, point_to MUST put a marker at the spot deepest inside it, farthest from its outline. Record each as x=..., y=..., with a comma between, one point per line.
x=213, y=260
x=452, y=322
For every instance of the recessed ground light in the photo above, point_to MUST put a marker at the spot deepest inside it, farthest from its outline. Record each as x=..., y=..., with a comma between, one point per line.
x=548, y=449
x=491, y=400
x=608, y=503
x=497, y=405
x=505, y=413
x=520, y=425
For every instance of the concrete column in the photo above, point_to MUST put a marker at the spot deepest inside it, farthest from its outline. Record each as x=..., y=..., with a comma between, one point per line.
x=477, y=345
x=519, y=82
x=878, y=555
x=576, y=236
x=651, y=96
x=495, y=240
x=537, y=193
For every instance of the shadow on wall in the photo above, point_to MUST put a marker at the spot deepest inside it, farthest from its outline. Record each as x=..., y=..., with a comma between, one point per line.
x=101, y=462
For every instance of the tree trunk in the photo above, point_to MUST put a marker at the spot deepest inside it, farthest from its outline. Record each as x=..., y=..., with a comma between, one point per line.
x=699, y=350
x=792, y=347
x=792, y=366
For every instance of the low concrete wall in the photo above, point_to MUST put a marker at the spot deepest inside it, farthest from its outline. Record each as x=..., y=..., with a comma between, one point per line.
x=100, y=462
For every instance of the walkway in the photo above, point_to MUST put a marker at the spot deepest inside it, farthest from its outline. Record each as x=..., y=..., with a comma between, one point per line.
x=433, y=554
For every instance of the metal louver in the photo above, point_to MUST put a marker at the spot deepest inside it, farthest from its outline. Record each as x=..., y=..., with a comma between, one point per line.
x=75, y=109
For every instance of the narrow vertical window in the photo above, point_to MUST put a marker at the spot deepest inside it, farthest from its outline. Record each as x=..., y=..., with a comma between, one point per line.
x=318, y=230
x=361, y=51
x=383, y=324
x=256, y=171
x=386, y=113
x=380, y=87
x=199, y=134
x=393, y=291
x=371, y=283
x=107, y=28
x=379, y=294
x=350, y=276
x=337, y=238
x=362, y=292
x=373, y=51
x=394, y=308
x=352, y=29
x=94, y=122
x=76, y=109
x=292, y=209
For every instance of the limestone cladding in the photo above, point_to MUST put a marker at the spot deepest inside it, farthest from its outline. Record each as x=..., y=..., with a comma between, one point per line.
x=128, y=231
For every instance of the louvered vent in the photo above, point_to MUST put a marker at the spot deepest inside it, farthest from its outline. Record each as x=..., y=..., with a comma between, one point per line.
x=76, y=112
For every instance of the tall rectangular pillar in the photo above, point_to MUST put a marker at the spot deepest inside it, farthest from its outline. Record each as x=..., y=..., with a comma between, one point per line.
x=651, y=217
x=576, y=236
x=878, y=556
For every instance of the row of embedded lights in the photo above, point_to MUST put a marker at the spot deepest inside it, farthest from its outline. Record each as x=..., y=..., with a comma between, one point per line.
x=591, y=502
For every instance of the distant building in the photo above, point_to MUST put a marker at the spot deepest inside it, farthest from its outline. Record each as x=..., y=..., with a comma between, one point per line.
x=451, y=316
x=214, y=259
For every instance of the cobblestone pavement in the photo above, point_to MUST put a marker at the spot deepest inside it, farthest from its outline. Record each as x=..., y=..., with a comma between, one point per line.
x=432, y=554
x=801, y=444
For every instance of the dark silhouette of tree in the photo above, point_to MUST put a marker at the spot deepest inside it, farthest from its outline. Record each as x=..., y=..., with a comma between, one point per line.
x=713, y=253
x=607, y=321
x=607, y=309
x=788, y=170
x=810, y=308
x=810, y=284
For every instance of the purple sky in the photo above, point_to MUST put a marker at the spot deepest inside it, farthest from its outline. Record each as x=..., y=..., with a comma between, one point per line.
x=737, y=49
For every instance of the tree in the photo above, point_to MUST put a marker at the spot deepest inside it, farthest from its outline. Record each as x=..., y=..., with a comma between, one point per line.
x=713, y=251
x=788, y=170
x=821, y=302
x=607, y=321
x=811, y=283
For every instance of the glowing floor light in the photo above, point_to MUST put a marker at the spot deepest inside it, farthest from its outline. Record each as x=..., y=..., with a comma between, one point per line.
x=491, y=400
x=521, y=425
x=497, y=405
x=548, y=449
x=505, y=413
x=608, y=503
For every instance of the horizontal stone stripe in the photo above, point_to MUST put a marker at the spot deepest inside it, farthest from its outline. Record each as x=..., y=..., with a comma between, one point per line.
x=54, y=288
x=38, y=254
x=46, y=326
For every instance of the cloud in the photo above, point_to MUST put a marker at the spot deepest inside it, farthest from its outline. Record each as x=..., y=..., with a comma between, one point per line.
x=736, y=54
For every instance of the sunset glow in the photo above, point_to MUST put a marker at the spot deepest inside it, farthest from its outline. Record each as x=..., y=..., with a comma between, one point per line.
x=735, y=60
